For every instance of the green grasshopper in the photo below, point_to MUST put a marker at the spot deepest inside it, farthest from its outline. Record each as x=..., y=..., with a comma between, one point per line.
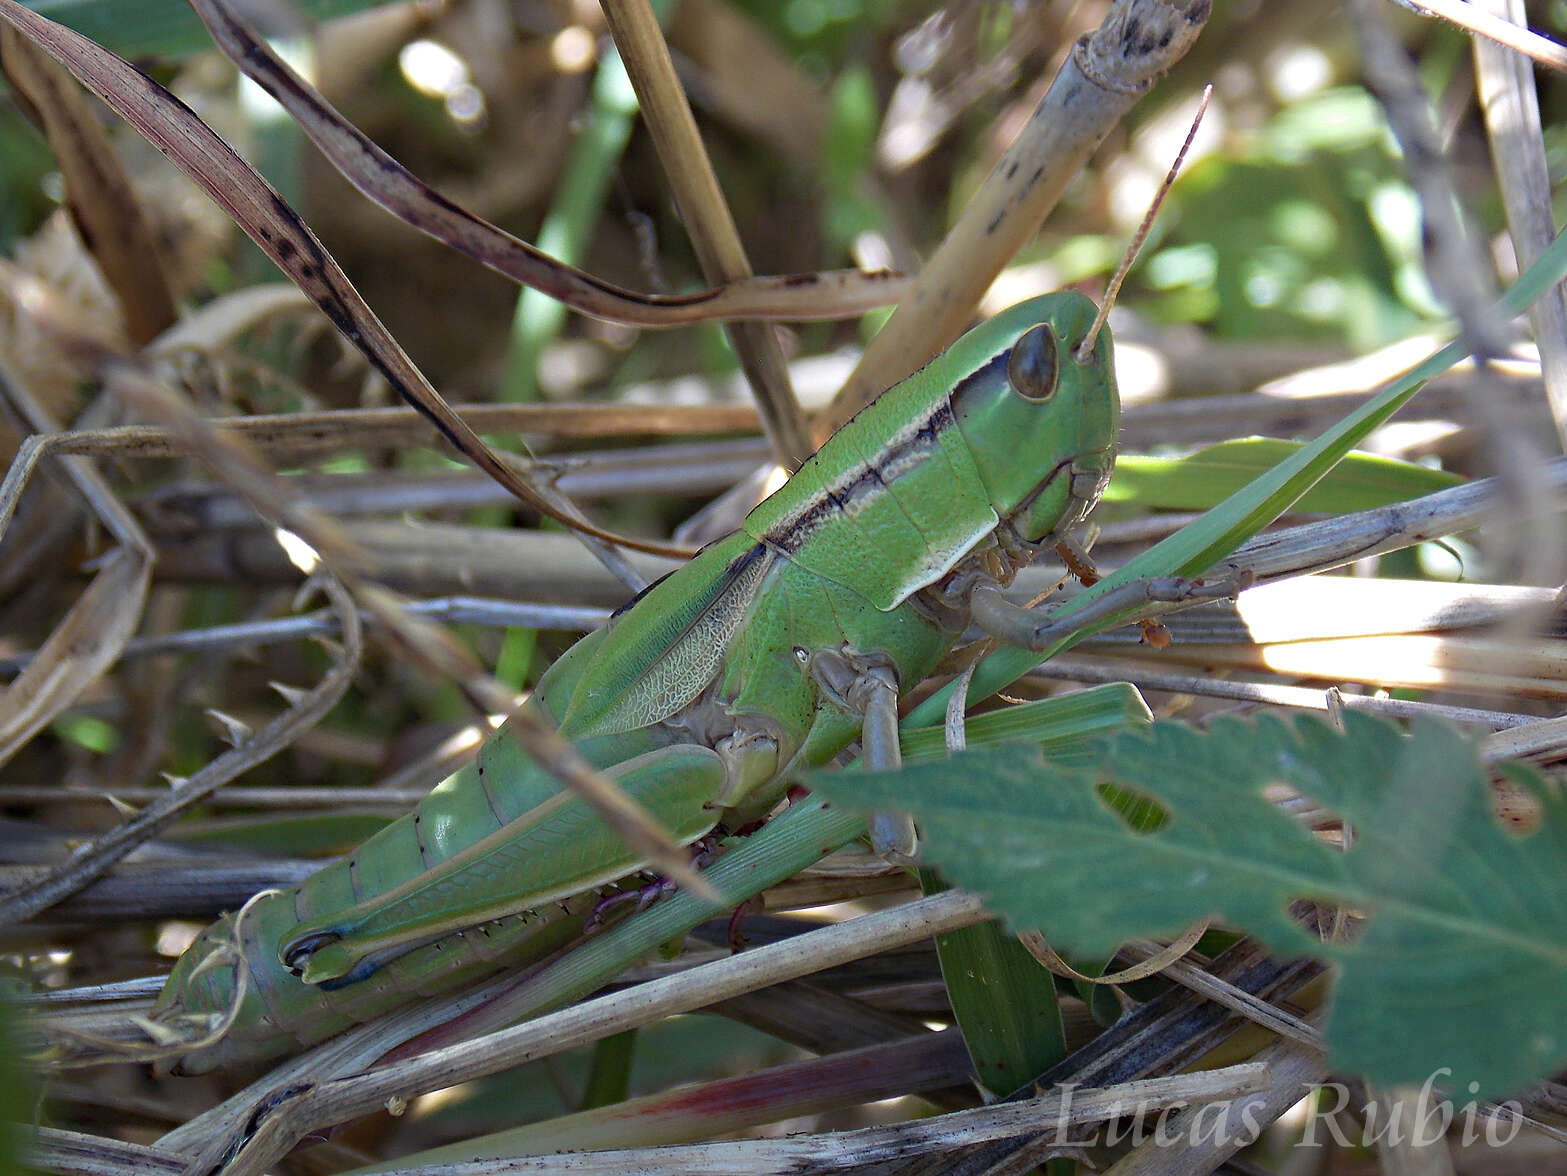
x=772, y=651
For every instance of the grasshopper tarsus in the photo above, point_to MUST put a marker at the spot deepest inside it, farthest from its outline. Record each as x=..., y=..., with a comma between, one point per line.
x=733, y=935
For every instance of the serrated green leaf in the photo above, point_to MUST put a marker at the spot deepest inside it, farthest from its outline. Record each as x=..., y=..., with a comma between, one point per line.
x=1004, y=1001
x=1200, y=480
x=1462, y=961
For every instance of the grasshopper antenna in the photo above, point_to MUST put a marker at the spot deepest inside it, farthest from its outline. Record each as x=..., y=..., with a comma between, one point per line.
x=1085, y=349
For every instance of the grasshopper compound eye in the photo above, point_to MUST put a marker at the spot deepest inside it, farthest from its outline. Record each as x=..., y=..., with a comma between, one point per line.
x=1034, y=367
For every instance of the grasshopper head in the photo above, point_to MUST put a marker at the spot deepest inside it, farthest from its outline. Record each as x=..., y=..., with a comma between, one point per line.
x=1040, y=423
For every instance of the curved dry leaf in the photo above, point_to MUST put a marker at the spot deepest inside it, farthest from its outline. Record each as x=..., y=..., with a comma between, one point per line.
x=228, y=316
x=85, y=644
x=98, y=193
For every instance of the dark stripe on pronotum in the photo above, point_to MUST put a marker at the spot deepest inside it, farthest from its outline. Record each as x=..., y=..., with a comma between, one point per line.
x=865, y=481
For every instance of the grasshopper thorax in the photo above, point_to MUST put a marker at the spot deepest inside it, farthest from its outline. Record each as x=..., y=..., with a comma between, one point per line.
x=1040, y=423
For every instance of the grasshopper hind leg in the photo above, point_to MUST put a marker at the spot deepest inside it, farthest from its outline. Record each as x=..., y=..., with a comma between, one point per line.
x=558, y=848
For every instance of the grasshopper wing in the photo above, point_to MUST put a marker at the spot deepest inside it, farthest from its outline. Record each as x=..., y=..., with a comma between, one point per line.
x=658, y=656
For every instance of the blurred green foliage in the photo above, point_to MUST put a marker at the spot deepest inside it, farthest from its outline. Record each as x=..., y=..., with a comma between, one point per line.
x=171, y=28
x=24, y=162
x=853, y=117
x=1308, y=231
x=823, y=33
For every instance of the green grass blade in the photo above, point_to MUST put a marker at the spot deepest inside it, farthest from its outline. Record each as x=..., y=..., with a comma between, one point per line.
x=574, y=214
x=1063, y=725
x=1004, y=1001
x=1203, y=479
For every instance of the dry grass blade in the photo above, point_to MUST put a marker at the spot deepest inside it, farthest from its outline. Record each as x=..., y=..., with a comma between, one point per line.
x=340, y=429
x=1361, y=607
x=1503, y=668
x=840, y=294
x=1095, y=670
x=448, y=610
x=97, y=192
x=1505, y=85
x=610, y=475
x=707, y=216
x=53, y=1150
x=838, y=1152
x=1545, y=736
x=268, y=220
x=1222, y=992
x=95, y=630
x=1332, y=543
x=140, y=890
x=1155, y=961
x=219, y=322
x=432, y=560
x=1294, y=1071
x=289, y=1115
x=1107, y=72
x=83, y=646
x=93, y=859
x=939, y=1134
x=1477, y=20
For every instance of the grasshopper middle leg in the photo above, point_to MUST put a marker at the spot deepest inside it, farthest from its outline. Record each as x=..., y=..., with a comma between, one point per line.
x=869, y=687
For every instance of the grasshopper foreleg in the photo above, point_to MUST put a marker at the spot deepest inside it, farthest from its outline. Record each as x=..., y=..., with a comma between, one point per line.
x=1038, y=629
